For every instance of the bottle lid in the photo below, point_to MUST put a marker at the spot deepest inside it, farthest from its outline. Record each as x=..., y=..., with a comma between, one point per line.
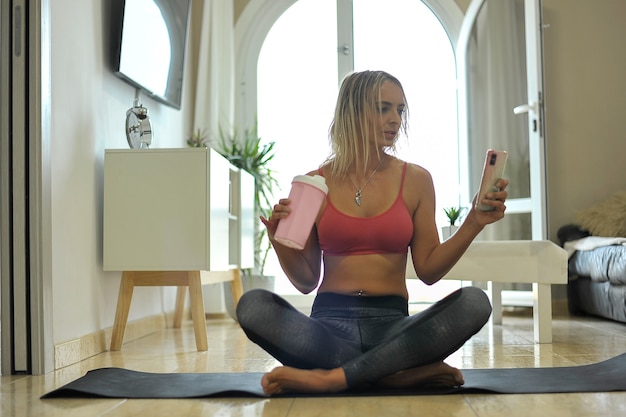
x=315, y=180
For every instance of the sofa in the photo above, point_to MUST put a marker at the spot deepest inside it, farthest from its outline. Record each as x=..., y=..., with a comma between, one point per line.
x=596, y=245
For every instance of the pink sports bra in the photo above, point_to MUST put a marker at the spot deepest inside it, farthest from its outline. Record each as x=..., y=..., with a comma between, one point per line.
x=389, y=232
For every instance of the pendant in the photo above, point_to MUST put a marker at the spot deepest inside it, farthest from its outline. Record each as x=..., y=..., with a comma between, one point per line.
x=357, y=198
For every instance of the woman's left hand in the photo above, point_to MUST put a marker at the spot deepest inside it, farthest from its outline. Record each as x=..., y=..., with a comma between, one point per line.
x=495, y=199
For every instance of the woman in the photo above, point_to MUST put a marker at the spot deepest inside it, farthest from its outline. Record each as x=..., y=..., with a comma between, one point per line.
x=378, y=207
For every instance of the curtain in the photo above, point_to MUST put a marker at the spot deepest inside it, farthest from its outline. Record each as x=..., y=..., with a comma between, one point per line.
x=496, y=84
x=215, y=88
x=213, y=101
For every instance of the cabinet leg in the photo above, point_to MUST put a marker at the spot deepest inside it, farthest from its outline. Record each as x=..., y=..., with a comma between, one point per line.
x=236, y=287
x=181, y=295
x=197, y=310
x=121, y=313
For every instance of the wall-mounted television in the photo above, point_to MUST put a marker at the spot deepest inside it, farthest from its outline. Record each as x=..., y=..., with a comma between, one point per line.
x=149, y=43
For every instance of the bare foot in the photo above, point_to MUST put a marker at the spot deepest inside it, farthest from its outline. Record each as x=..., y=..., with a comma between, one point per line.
x=287, y=379
x=436, y=374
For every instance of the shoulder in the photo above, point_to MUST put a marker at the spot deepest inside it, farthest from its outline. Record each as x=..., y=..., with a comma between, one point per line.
x=317, y=171
x=417, y=174
x=418, y=187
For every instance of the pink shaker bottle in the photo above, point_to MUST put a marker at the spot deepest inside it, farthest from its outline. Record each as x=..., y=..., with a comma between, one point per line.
x=307, y=194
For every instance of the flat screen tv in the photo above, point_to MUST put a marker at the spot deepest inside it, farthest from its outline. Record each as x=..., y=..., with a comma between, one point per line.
x=149, y=46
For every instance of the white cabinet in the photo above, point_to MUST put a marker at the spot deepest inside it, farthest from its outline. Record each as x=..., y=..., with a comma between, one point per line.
x=170, y=210
x=242, y=223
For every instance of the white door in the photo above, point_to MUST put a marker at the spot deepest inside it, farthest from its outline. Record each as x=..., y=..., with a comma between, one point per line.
x=501, y=105
x=25, y=240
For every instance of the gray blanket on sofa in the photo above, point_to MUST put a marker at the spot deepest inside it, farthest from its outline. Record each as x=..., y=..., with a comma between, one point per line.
x=597, y=282
x=607, y=263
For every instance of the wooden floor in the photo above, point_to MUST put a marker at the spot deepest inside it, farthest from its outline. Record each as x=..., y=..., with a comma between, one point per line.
x=577, y=341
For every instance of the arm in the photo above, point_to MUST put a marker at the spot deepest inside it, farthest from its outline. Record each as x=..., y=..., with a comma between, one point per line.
x=302, y=267
x=431, y=258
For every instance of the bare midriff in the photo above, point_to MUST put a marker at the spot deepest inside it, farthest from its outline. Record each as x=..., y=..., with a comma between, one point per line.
x=365, y=275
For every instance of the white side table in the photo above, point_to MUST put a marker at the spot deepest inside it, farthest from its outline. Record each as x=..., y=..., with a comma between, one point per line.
x=538, y=262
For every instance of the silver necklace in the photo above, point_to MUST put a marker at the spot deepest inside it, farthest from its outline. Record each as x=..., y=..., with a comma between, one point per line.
x=359, y=191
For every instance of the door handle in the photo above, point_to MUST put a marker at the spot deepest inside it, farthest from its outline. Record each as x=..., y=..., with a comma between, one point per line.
x=526, y=108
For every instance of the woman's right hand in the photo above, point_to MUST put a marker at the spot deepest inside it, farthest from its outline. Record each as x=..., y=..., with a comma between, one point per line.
x=302, y=267
x=280, y=211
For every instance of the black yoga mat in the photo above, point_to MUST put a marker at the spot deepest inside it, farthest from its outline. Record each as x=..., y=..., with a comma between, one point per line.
x=604, y=376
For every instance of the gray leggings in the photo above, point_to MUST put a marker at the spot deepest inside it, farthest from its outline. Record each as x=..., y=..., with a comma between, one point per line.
x=369, y=337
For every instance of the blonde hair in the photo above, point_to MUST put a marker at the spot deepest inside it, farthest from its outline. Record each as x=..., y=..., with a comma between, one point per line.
x=354, y=120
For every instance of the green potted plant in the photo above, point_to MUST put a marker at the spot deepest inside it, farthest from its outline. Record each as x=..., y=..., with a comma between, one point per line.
x=453, y=214
x=198, y=139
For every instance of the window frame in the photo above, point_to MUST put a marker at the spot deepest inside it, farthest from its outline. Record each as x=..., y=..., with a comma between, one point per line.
x=256, y=21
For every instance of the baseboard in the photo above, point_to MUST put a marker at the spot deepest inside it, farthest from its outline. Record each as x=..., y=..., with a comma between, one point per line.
x=76, y=350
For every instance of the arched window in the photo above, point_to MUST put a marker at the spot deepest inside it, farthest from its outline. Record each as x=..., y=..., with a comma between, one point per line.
x=290, y=65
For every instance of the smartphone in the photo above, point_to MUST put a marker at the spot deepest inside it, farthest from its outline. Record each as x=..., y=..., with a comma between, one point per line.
x=495, y=161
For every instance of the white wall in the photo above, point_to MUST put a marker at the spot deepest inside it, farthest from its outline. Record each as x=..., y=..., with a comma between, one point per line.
x=585, y=84
x=89, y=106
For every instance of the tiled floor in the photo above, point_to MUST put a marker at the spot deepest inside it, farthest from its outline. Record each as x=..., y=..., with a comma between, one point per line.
x=577, y=341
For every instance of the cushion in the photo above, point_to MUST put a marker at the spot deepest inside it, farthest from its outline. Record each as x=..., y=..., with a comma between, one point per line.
x=607, y=218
